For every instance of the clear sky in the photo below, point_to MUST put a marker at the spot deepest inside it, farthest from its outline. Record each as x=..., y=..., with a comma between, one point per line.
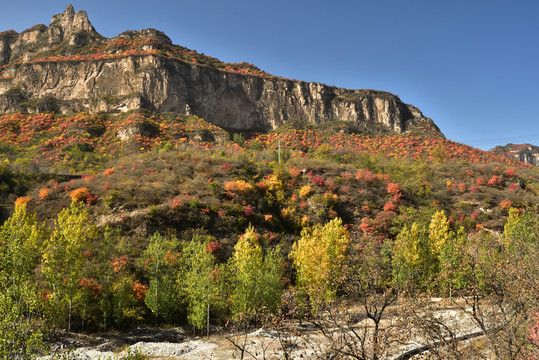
x=472, y=66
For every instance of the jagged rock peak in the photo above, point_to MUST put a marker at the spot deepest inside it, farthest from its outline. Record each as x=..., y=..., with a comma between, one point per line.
x=71, y=26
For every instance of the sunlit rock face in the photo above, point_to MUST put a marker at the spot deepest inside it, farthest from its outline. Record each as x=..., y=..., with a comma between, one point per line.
x=231, y=100
x=524, y=152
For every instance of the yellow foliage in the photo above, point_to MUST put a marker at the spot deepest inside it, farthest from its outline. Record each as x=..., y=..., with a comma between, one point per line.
x=274, y=183
x=318, y=256
x=240, y=186
x=407, y=247
x=439, y=233
x=305, y=190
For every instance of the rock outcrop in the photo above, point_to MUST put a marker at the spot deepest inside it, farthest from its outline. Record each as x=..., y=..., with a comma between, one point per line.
x=526, y=153
x=148, y=79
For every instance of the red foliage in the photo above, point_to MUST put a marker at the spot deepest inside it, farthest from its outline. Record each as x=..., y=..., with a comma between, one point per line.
x=494, y=180
x=510, y=172
x=365, y=175
x=91, y=199
x=248, y=210
x=176, y=202
x=92, y=285
x=213, y=246
x=119, y=263
x=393, y=188
x=226, y=167
x=366, y=226
x=389, y=206
x=318, y=180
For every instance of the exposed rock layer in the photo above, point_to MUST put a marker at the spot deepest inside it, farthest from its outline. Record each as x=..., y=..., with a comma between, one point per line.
x=231, y=100
x=526, y=153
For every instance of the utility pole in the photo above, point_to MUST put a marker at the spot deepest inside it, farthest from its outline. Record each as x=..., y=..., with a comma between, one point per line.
x=279, y=151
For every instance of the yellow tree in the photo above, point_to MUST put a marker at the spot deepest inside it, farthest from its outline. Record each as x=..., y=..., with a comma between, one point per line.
x=318, y=256
x=407, y=255
x=439, y=233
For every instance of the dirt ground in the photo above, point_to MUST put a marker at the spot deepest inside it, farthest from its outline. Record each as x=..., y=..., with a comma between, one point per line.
x=303, y=342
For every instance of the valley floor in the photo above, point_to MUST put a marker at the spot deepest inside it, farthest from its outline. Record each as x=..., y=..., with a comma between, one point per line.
x=304, y=341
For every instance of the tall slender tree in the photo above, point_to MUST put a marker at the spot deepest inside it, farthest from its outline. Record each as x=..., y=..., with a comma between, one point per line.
x=63, y=256
x=318, y=256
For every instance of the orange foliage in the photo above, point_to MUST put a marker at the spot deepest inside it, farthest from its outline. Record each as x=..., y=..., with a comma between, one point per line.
x=140, y=291
x=80, y=194
x=43, y=193
x=23, y=200
x=506, y=204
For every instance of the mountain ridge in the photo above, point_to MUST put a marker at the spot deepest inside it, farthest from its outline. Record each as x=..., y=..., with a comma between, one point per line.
x=526, y=153
x=69, y=67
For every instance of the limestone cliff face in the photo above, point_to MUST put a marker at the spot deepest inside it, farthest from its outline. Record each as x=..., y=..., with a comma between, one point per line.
x=152, y=81
x=526, y=153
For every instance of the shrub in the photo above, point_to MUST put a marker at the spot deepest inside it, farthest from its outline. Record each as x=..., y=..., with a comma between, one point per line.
x=22, y=201
x=318, y=180
x=393, y=188
x=389, y=206
x=108, y=172
x=305, y=190
x=80, y=194
x=43, y=193
x=506, y=204
x=494, y=180
x=240, y=186
x=248, y=210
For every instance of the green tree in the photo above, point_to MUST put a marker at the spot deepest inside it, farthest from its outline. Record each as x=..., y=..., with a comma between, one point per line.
x=63, y=257
x=19, y=251
x=455, y=269
x=162, y=265
x=417, y=251
x=318, y=256
x=21, y=336
x=199, y=281
x=256, y=279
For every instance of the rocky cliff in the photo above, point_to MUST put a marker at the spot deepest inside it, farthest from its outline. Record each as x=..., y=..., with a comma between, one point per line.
x=526, y=153
x=68, y=67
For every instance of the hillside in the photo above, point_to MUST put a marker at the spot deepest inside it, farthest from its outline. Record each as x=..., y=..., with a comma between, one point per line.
x=68, y=67
x=526, y=153
x=144, y=184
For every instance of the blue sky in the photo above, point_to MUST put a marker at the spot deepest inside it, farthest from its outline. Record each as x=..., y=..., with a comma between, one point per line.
x=471, y=66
